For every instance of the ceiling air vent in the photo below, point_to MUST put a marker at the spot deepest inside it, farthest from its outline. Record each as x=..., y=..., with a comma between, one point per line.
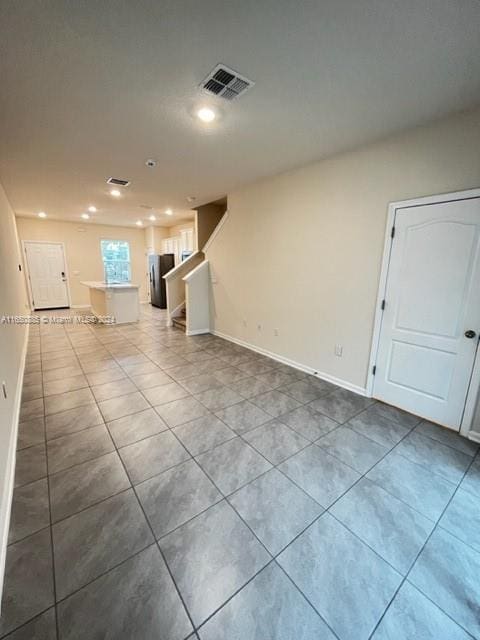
x=225, y=83
x=118, y=181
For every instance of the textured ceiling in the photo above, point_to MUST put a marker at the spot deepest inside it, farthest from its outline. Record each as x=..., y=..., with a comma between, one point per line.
x=92, y=89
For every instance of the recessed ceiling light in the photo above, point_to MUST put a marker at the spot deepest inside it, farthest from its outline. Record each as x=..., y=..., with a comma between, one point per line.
x=206, y=114
x=139, y=223
x=92, y=208
x=42, y=214
x=168, y=212
x=152, y=218
x=85, y=216
x=115, y=193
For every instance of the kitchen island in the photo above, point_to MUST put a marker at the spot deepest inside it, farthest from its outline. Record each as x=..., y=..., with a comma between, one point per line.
x=117, y=300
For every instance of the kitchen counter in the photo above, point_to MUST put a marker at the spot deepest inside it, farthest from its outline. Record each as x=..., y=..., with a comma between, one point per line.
x=103, y=286
x=117, y=300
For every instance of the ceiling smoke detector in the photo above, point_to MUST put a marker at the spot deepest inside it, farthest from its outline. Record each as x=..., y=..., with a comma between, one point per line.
x=225, y=83
x=118, y=181
x=150, y=163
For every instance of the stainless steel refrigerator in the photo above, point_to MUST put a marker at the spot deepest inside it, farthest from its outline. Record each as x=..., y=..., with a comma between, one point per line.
x=159, y=266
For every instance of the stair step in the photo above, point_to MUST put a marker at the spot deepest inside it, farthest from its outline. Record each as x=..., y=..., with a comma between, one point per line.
x=180, y=322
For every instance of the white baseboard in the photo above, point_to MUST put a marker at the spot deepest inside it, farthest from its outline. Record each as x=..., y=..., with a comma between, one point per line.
x=80, y=306
x=197, y=332
x=361, y=391
x=9, y=480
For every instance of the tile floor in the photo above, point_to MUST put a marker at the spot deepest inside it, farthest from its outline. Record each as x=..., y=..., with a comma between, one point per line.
x=172, y=487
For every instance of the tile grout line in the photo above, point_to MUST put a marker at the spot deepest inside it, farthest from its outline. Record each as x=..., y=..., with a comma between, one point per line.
x=225, y=497
x=272, y=556
x=105, y=424
x=208, y=508
x=240, y=435
x=405, y=578
x=148, y=524
x=316, y=520
x=327, y=510
x=154, y=537
x=52, y=551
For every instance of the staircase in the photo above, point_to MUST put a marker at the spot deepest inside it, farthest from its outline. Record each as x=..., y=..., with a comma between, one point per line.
x=188, y=284
x=181, y=321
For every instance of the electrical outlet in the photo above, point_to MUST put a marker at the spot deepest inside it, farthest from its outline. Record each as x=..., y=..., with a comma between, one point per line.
x=338, y=350
x=276, y=332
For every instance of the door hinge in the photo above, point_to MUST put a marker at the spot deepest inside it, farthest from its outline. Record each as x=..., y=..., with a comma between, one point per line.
x=392, y=235
x=382, y=306
x=374, y=370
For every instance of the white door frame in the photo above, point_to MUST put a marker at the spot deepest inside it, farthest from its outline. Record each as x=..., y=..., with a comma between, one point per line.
x=473, y=390
x=27, y=269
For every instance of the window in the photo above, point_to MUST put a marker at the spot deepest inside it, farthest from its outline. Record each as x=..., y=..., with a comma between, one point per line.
x=116, y=260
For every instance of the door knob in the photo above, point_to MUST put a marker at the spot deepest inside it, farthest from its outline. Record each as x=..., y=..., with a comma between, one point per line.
x=470, y=334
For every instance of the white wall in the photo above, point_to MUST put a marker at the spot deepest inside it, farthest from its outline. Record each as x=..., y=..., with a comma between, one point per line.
x=82, y=250
x=175, y=230
x=301, y=252
x=12, y=342
x=197, y=296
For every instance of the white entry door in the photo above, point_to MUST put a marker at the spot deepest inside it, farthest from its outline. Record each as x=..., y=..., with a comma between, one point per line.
x=431, y=318
x=47, y=273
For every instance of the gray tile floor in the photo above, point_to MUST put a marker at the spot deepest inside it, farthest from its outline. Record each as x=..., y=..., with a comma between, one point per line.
x=172, y=487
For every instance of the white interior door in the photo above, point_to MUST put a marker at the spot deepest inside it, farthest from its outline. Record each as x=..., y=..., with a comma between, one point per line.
x=431, y=321
x=47, y=273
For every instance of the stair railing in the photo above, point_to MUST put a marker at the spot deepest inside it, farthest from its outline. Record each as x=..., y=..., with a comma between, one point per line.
x=175, y=286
